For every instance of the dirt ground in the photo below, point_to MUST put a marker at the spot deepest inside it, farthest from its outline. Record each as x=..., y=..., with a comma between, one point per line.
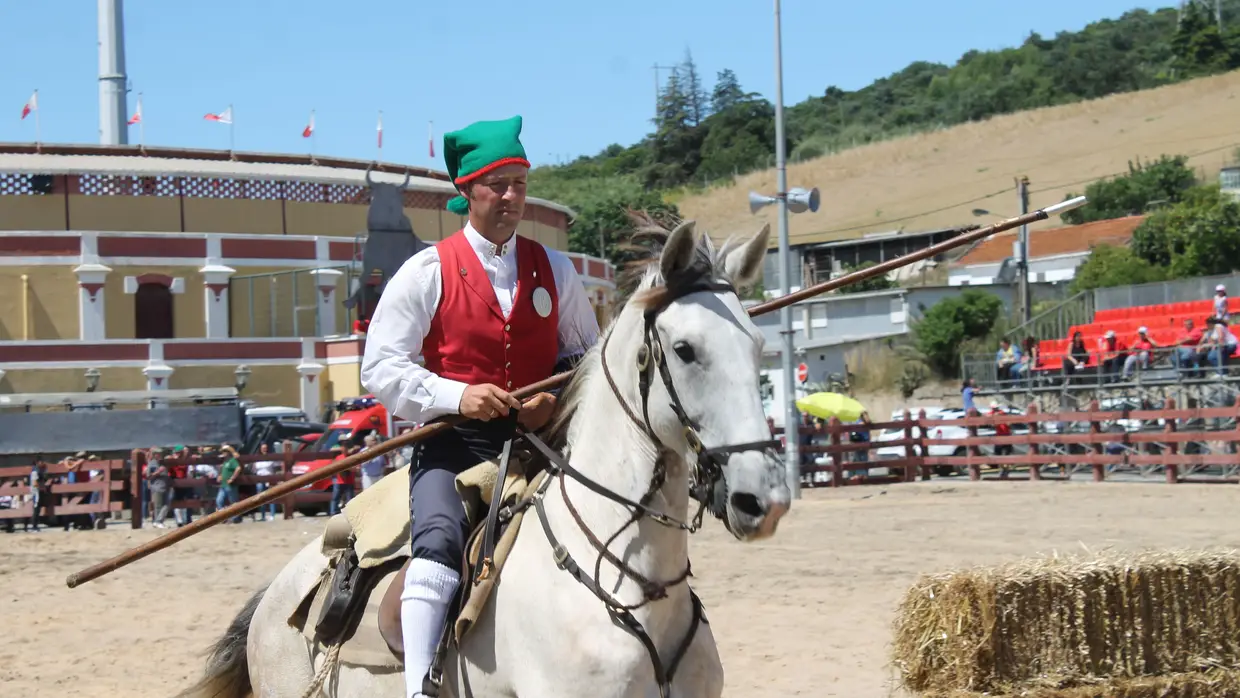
x=807, y=613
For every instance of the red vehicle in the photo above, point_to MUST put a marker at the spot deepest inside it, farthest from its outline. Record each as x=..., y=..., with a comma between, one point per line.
x=356, y=417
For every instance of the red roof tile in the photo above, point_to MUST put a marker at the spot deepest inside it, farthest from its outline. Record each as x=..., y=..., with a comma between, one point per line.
x=1050, y=242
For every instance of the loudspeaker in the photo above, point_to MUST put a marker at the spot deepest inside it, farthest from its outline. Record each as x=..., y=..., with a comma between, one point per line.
x=802, y=200
x=757, y=201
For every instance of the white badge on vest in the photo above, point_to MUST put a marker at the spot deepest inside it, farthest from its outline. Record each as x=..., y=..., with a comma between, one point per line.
x=542, y=302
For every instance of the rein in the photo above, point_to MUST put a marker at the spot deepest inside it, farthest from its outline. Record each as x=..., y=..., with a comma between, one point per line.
x=707, y=479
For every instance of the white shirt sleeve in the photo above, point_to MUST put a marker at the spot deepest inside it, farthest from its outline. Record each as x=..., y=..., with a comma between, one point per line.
x=578, y=326
x=394, y=342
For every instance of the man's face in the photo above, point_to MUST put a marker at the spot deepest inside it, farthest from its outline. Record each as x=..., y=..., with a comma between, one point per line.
x=497, y=199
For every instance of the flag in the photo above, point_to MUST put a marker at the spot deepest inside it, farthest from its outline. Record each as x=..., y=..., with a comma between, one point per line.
x=430, y=137
x=379, y=128
x=137, y=113
x=31, y=105
x=309, y=129
x=224, y=117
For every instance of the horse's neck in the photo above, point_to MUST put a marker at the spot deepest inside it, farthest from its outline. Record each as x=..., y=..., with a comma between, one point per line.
x=608, y=448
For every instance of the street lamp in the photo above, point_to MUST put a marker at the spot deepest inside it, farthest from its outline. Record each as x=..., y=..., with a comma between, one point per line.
x=242, y=374
x=92, y=379
x=797, y=201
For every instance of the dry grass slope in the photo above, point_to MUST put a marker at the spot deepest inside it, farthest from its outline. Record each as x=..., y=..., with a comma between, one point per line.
x=934, y=180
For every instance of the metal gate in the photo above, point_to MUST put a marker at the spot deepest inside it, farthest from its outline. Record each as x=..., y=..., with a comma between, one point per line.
x=286, y=303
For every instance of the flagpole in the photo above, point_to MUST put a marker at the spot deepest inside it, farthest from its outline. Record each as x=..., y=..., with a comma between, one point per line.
x=141, y=124
x=314, y=134
x=430, y=141
x=379, y=157
x=232, y=120
x=38, y=129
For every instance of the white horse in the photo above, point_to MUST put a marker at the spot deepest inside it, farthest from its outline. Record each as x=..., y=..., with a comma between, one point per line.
x=670, y=397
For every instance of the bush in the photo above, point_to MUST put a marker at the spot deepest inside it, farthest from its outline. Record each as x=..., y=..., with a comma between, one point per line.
x=948, y=324
x=1110, y=265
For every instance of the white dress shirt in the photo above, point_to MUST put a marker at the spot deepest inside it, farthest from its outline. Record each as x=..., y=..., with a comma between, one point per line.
x=403, y=317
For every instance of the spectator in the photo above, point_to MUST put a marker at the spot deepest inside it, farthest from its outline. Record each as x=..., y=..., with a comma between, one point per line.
x=1029, y=357
x=1077, y=357
x=158, y=483
x=1218, y=345
x=861, y=436
x=208, y=488
x=98, y=521
x=1007, y=360
x=1001, y=429
x=342, y=484
x=373, y=469
x=1185, y=355
x=230, y=470
x=1220, y=304
x=1111, y=353
x=40, y=493
x=180, y=470
x=1142, y=349
x=966, y=394
x=265, y=468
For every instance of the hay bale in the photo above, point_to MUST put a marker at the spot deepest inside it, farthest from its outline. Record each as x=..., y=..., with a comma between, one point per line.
x=1105, y=623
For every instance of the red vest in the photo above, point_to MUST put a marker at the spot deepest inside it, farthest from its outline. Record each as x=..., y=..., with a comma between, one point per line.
x=471, y=341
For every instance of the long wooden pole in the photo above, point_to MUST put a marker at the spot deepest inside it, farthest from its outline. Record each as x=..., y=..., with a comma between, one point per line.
x=287, y=487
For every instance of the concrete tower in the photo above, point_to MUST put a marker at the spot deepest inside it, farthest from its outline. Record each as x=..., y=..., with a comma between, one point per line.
x=113, y=112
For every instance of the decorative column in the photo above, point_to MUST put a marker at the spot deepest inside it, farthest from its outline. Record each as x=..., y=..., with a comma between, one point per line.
x=157, y=372
x=215, y=279
x=91, y=318
x=311, y=388
x=327, y=280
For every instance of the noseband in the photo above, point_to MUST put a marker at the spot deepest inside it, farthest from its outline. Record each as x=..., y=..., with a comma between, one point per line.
x=708, y=485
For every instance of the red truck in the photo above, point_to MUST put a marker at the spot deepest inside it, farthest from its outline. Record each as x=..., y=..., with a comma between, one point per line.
x=356, y=417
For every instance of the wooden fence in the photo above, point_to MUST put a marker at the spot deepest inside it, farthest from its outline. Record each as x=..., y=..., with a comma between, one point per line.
x=66, y=498
x=1045, y=441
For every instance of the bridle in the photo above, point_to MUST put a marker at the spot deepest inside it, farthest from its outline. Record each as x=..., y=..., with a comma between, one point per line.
x=709, y=486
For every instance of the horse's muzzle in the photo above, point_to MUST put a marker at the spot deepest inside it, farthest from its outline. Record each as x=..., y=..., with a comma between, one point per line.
x=754, y=516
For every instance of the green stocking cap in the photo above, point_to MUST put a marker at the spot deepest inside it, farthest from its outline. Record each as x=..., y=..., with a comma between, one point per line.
x=479, y=148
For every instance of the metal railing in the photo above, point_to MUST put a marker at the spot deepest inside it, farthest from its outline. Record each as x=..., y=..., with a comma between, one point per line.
x=1161, y=292
x=1164, y=365
x=1056, y=322
x=286, y=303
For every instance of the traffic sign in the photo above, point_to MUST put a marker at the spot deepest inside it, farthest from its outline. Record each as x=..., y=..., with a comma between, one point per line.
x=802, y=373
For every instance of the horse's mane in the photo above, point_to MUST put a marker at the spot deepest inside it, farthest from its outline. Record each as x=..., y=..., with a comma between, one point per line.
x=641, y=283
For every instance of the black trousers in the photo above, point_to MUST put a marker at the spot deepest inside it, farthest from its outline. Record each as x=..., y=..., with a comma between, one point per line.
x=438, y=527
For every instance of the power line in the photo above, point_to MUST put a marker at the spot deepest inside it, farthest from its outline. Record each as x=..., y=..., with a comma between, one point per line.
x=941, y=209
x=905, y=218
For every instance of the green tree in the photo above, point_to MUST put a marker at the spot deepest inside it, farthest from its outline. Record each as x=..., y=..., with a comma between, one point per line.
x=1166, y=181
x=948, y=324
x=1112, y=265
x=1200, y=236
x=727, y=92
x=696, y=100
x=875, y=283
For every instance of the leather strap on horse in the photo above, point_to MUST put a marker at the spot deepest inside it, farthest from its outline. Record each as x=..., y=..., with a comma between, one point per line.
x=490, y=534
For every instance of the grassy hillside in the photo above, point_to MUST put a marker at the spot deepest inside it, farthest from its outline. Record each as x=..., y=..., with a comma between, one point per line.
x=935, y=179
x=892, y=158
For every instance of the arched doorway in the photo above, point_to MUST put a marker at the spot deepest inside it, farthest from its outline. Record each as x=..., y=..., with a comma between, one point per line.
x=153, y=312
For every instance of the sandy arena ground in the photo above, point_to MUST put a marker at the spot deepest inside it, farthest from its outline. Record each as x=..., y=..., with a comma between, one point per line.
x=807, y=613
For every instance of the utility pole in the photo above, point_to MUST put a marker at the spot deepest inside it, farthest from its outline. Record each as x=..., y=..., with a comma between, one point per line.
x=792, y=435
x=1026, y=307
x=1218, y=14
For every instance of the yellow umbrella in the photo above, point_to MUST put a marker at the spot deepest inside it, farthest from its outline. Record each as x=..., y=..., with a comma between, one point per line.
x=828, y=405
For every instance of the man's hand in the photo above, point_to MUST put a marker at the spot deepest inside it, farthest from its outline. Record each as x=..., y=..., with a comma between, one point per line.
x=536, y=413
x=486, y=402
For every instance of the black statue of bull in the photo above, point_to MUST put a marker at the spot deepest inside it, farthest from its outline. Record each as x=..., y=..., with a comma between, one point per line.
x=390, y=241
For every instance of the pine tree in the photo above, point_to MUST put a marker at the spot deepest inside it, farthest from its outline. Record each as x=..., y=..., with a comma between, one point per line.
x=695, y=96
x=727, y=92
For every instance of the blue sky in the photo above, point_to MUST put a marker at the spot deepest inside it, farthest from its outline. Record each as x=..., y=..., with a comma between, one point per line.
x=579, y=72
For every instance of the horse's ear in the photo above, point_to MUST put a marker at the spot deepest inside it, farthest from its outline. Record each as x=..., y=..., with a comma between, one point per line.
x=744, y=264
x=679, y=250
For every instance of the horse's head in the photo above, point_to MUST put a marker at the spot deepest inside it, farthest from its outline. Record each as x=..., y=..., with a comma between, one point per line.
x=696, y=356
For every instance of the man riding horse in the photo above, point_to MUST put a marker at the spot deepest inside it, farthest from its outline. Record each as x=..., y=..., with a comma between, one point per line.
x=489, y=312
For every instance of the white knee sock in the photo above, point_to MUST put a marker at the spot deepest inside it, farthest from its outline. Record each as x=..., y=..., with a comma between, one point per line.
x=429, y=587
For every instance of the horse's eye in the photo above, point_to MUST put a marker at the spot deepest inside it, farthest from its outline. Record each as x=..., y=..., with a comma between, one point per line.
x=684, y=351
